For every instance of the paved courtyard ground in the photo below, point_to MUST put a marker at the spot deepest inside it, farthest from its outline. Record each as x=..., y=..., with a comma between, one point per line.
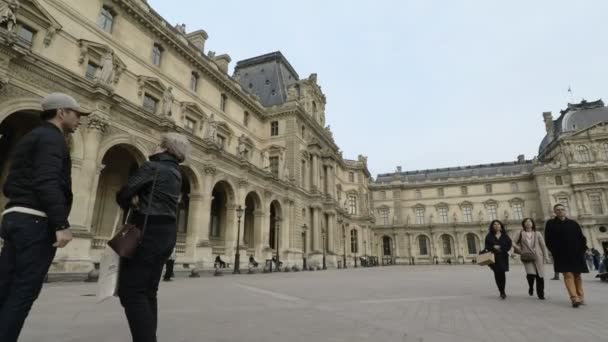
x=398, y=303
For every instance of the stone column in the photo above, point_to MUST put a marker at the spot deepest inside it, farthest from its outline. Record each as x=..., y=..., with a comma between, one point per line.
x=316, y=229
x=315, y=172
x=581, y=205
x=205, y=206
x=331, y=227
x=196, y=211
x=86, y=183
x=395, y=238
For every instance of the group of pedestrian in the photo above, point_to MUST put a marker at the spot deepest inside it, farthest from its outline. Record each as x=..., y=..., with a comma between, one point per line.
x=35, y=221
x=565, y=241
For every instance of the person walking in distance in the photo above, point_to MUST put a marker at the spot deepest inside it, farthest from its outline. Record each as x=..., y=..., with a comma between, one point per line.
x=35, y=221
x=530, y=245
x=498, y=242
x=567, y=244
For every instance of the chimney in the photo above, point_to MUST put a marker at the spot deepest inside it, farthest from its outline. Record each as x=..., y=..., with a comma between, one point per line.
x=222, y=62
x=521, y=158
x=399, y=168
x=198, y=38
x=548, y=118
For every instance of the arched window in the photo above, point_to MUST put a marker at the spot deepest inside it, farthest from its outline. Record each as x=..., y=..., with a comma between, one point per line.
x=447, y=244
x=583, y=154
x=472, y=244
x=354, y=241
x=423, y=245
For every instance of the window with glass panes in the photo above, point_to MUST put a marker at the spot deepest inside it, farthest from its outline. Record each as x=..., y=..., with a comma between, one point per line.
x=559, y=180
x=467, y=212
x=351, y=177
x=492, y=212
x=443, y=214
x=274, y=166
x=150, y=103
x=583, y=154
x=157, y=53
x=189, y=124
x=596, y=203
x=419, y=215
x=106, y=19
x=488, y=188
x=26, y=34
x=352, y=204
x=354, y=248
x=91, y=70
x=274, y=128
x=384, y=213
x=518, y=211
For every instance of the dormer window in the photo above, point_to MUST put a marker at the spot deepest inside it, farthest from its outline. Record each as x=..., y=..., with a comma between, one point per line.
x=274, y=128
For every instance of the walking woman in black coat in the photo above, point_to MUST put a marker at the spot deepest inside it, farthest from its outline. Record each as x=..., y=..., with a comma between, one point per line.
x=499, y=243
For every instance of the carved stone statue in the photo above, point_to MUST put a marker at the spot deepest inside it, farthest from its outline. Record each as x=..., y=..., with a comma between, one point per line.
x=181, y=28
x=211, y=54
x=106, y=73
x=242, y=148
x=8, y=11
x=168, y=102
x=506, y=215
x=211, y=131
x=265, y=161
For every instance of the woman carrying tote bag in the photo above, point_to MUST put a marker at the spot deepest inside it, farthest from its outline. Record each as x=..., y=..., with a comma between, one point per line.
x=530, y=245
x=499, y=243
x=152, y=192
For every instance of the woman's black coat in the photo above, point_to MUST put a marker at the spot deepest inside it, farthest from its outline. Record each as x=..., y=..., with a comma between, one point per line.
x=501, y=258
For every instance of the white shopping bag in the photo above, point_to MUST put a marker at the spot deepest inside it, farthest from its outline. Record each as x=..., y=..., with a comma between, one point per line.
x=109, y=267
x=107, y=285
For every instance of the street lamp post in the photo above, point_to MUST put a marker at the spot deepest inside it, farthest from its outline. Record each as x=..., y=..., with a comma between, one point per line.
x=344, y=238
x=304, y=247
x=278, y=237
x=364, y=251
x=324, y=247
x=237, y=257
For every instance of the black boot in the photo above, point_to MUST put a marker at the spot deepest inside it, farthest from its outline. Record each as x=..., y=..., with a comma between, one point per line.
x=530, y=279
x=540, y=287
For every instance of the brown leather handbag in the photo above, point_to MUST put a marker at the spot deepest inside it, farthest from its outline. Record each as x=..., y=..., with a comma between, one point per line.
x=128, y=238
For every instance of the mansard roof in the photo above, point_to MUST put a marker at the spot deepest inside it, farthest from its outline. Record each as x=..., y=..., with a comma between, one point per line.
x=482, y=170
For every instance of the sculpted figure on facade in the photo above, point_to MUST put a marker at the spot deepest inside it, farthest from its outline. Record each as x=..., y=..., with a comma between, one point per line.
x=8, y=13
x=168, y=99
x=265, y=161
x=211, y=132
x=181, y=28
x=242, y=148
x=106, y=73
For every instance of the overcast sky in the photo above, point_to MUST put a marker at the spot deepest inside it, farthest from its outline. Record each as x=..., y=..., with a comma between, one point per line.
x=423, y=84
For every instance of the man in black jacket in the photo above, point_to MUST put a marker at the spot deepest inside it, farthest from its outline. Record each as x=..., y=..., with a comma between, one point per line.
x=35, y=222
x=565, y=240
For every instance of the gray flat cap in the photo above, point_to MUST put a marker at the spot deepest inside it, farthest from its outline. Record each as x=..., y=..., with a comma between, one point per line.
x=60, y=100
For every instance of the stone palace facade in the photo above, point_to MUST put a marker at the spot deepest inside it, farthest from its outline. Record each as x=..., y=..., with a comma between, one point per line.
x=260, y=143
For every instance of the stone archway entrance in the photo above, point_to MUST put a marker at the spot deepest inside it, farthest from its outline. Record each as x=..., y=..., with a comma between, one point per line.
x=221, y=220
x=12, y=129
x=251, y=222
x=119, y=162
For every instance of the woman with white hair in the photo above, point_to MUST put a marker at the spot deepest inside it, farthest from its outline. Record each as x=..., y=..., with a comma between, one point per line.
x=152, y=194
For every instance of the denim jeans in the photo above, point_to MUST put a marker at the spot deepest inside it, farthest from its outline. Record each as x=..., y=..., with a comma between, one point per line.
x=24, y=262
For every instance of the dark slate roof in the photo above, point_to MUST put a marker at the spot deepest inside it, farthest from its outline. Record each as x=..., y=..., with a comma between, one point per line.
x=266, y=76
x=576, y=117
x=508, y=168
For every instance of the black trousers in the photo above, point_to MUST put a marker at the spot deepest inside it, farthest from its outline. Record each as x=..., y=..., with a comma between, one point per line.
x=24, y=262
x=501, y=280
x=169, y=269
x=139, y=278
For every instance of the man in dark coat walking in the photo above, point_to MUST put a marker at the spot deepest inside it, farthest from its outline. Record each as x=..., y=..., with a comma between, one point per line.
x=567, y=244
